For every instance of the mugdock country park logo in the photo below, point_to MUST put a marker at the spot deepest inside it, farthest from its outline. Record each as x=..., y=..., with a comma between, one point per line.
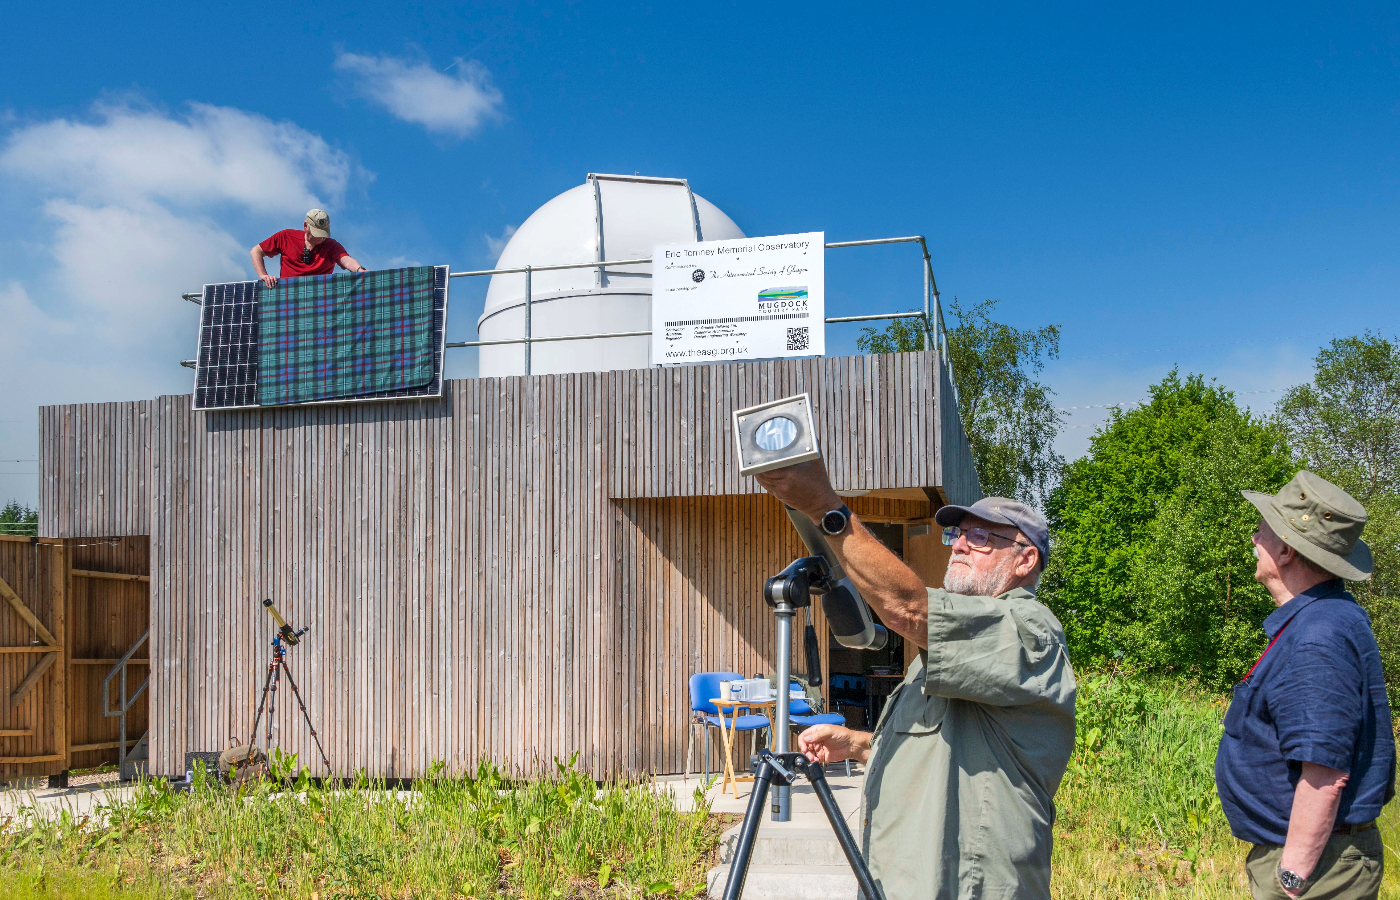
x=782, y=300
x=697, y=275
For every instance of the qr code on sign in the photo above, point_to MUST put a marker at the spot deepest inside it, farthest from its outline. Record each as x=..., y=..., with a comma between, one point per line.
x=798, y=338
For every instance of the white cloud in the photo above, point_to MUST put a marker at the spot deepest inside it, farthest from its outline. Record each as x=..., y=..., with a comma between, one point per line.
x=212, y=154
x=134, y=207
x=456, y=103
x=125, y=268
x=497, y=244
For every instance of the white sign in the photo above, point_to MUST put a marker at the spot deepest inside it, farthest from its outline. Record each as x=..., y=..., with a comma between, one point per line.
x=754, y=298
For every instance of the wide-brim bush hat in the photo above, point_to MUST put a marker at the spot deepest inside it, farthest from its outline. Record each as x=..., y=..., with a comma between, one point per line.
x=1320, y=521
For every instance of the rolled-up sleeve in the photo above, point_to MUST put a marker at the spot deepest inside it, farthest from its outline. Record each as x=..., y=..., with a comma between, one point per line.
x=1317, y=707
x=996, y=651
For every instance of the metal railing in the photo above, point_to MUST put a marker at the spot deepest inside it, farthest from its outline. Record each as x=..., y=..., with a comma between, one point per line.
x=935, y=330
x=125, y=700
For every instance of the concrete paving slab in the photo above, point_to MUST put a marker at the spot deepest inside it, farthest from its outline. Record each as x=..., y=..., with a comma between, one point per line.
x=49, y=803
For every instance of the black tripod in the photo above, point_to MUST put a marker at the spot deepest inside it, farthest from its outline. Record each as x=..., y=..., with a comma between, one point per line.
x=275, y=668
x=785, y=592
x=773, y=768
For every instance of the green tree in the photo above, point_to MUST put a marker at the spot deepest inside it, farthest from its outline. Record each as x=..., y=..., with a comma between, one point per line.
x=1345, y=425
x=1150, y=555
x=1346, y=421
x=16, y=518
x=1009, y=415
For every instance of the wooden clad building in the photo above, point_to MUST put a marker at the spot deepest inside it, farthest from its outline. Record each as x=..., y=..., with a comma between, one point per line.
x=524, y=568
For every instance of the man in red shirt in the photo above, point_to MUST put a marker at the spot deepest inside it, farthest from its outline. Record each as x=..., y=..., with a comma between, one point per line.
x=307, y=252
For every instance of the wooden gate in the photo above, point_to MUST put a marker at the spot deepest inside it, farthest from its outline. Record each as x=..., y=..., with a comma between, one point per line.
x=72, y=610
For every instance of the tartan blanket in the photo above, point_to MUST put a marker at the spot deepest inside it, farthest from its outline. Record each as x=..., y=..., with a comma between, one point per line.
x=327, y=336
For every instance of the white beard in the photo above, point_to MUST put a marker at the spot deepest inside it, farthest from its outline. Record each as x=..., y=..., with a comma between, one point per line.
x=969, y=582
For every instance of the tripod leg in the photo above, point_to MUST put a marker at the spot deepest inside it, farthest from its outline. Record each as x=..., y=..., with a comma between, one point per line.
x=272, y=705
x=814, y=774
x=262, y=703
x=296, y=692
x=739, y=865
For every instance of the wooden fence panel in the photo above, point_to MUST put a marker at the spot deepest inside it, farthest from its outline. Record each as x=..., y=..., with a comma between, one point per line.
x=33, y=677
x=108, y=610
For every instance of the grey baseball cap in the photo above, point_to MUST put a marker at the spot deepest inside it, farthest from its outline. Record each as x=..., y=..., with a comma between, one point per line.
x=1003, y=511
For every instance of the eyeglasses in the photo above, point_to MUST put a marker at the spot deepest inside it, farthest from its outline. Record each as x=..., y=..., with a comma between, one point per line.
x=976, y=537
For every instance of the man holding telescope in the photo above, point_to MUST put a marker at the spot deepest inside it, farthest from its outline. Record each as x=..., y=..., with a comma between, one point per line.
x=963, y=766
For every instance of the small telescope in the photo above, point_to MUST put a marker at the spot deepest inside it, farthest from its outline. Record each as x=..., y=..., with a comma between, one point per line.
x=283, y=629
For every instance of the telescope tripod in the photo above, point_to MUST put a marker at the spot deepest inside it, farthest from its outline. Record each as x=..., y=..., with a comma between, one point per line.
x=785, y=593
x=783, y=768
x=275, y=668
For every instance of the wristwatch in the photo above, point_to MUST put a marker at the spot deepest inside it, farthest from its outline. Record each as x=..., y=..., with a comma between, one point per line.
x=836, y=521
x=1291, y=881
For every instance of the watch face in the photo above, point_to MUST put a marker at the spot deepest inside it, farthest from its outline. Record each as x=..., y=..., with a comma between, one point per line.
x=834, y=522
x=1289, y=880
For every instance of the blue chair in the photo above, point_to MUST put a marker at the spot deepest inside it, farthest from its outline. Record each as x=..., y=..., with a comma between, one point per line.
x=801, y=715
x=704, y=687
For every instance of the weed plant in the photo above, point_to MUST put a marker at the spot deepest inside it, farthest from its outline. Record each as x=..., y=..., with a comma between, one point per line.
x=449, y=837
x=1138, y=812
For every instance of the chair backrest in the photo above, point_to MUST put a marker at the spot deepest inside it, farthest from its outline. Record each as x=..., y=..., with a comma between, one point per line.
x=800, y=707
x=704, y=687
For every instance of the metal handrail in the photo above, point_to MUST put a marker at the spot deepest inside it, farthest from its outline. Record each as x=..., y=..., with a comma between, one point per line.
x=935, y=328
x=126, y=701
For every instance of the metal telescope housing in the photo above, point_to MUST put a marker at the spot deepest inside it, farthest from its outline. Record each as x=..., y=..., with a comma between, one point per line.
x=847, y=614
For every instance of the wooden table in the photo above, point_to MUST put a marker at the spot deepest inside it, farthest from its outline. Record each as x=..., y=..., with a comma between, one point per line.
x=728, y=734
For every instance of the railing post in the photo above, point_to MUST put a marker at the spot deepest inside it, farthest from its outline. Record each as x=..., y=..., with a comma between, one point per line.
x=527, y=320
x=928, y=293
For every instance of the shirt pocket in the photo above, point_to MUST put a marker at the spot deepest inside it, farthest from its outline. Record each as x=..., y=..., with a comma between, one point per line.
x=1239, y=708
x=924, y=716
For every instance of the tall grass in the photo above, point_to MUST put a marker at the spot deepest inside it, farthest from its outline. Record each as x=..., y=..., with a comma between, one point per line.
x=1138, y=811
x=484, y=836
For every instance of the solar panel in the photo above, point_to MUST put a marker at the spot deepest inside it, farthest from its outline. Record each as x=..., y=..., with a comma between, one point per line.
x=226, y=366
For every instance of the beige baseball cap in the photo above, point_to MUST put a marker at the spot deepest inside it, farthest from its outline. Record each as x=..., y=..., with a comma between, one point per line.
x=320, y=223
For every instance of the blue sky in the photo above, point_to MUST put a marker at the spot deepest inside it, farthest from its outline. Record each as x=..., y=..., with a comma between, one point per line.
x=1213, y=186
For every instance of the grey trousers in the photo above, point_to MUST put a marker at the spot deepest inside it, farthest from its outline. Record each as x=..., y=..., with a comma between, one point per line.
x=1350, y=869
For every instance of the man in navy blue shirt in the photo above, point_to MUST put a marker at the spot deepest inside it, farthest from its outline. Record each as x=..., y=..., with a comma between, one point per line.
x=1308, y=756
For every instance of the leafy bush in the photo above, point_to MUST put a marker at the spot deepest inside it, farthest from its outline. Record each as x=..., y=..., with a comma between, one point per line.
x=1151, y=560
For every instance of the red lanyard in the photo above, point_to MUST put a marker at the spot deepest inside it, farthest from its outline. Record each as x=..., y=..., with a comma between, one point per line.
x=1267, y=649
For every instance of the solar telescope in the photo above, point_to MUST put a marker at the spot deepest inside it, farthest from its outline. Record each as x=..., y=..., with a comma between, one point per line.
x=781, y=433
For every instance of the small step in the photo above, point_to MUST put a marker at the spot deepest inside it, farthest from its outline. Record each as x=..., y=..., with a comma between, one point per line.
x=788, y=882
x=804, y=847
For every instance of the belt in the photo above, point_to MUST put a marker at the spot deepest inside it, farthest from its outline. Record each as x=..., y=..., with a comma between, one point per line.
x=1353, y=829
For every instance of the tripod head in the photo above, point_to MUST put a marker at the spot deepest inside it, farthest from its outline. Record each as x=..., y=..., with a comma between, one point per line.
x=284, y=631
x=796, y=584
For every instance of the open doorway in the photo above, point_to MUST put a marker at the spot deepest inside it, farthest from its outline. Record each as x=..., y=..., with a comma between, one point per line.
x=861, y=680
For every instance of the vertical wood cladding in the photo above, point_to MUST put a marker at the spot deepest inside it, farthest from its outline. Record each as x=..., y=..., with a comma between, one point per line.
x=523, y=568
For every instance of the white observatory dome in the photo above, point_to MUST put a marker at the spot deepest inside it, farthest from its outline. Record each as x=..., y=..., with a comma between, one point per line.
x=608, y=217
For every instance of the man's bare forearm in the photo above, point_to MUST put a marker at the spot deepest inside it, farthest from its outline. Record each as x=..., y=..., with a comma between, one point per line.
x=887, y=584
x=258, y=266
x=1314, y=814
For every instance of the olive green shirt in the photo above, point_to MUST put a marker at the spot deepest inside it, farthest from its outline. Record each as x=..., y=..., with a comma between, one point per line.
x=968, y=753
